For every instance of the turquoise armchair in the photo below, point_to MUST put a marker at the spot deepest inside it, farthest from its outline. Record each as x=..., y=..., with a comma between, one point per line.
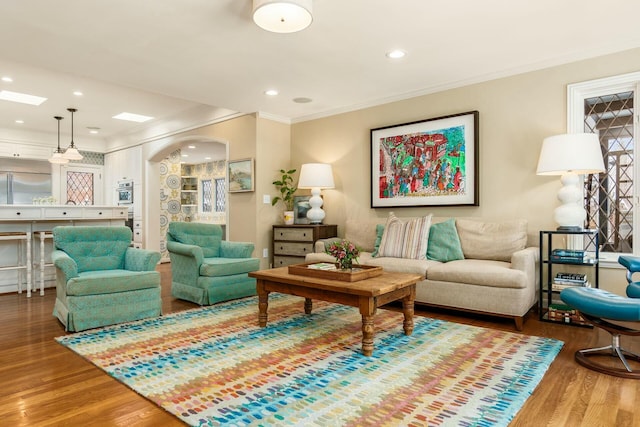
x=206, y=269
x=101, y=280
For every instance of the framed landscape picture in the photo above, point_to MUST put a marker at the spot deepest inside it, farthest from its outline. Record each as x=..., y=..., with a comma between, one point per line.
x=431, y=162
x=241, y=176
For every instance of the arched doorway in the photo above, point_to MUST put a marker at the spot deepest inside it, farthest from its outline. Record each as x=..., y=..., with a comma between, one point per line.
x=184, y=175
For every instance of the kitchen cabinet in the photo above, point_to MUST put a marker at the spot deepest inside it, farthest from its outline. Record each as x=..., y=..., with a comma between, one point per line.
x=25, y=151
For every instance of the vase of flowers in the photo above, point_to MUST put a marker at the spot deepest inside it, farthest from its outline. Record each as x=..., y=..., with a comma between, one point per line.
x=345, y=253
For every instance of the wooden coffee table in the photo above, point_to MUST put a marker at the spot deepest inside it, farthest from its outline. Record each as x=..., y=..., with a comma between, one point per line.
x=367, y=295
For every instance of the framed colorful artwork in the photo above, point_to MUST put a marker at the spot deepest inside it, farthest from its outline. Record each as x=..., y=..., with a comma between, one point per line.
x=431, y=162
x=241, y=176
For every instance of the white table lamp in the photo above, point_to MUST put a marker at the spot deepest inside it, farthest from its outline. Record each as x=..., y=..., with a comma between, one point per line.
x=315, y=176
x=570, y=155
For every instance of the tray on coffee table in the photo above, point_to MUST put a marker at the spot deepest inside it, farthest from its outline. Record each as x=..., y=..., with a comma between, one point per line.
x=358, y=272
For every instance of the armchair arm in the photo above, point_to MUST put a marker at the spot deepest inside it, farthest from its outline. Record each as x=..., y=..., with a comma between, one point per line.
x=185, y=262
x=183, y=249
x=236, y=249
x=62, y=261
x=140, y=259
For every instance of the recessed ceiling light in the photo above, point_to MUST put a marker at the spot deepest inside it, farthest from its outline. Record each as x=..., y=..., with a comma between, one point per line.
x=302, y=100
x=77, y=93
x=271, y=92
x=191, y=146
x=139, y=118
x=7, y=79
x=185, y=155
x=207, y=158
x=396, y=54
x=22, y=98
x=19, y=121
x=93, y=129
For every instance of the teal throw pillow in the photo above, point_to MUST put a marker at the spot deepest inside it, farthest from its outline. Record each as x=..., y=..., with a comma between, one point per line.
x=379, y=233
x=444, y=243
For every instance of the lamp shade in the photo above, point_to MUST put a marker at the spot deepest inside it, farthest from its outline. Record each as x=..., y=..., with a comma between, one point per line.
x=577, y=153
x=316, y=175
x=282, y=16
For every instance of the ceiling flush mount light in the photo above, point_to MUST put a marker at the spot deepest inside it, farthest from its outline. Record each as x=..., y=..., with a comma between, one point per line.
x=138, y=118
x=271, y=92
x=72, y=153
x=396, y=54
x=57, y=155
x=570, y=155
x=78, y=93
x=23, y=98
x=282, y=16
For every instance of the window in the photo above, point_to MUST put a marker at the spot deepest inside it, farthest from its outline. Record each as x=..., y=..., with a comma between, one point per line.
x=206, y=195
x=79, y=188
x=220, y=195
x=606, y=107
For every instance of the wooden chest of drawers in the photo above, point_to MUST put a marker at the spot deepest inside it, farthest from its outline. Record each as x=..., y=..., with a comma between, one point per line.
x=292, y=242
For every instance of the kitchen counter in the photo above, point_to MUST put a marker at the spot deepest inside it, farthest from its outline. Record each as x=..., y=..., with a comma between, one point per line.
x=60, y=212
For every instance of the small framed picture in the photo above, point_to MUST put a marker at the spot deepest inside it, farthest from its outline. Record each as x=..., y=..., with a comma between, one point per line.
x=300, y=208
x=241, y=176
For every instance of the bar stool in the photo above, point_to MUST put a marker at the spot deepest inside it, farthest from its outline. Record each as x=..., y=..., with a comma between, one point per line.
x=24, y=257
x=42, y=235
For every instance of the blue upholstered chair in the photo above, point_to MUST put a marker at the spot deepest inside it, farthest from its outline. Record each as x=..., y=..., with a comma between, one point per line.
x=206, y=269
x=603, y=309
x=101, y=280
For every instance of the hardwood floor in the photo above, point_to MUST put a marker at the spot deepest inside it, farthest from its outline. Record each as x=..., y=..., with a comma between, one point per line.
x=45, y=384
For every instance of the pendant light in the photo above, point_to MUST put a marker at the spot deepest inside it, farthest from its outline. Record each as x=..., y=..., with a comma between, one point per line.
x=72, y=153
x=57, y=155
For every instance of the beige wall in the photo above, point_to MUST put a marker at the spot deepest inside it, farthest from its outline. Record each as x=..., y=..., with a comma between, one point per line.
x=516, y=113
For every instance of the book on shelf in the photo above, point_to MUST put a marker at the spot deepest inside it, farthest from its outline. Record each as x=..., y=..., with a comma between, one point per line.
x=560, y=286
x=322, y=266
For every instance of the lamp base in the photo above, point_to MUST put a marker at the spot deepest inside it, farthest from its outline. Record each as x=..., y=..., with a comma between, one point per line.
x=315, y=215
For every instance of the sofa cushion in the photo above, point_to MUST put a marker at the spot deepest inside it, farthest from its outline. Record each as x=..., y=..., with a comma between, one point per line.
x=444, y=243
x=497, y=274
x=213, y=267
x=210, y=244
x=362, y=233
x=402, y=265
x=405, y=238
x=495, y=241
x=112, y=282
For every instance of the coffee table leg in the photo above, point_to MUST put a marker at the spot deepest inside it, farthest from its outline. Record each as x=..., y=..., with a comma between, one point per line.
x=368, y=332
x=407, y=310
x=263, y=303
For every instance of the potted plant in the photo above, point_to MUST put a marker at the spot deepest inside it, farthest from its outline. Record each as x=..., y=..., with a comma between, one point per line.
x=285, y=185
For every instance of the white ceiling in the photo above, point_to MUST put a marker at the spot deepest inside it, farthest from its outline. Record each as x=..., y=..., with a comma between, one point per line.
x=186, y=62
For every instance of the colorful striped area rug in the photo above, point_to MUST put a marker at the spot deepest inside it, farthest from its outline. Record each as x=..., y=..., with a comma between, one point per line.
x=215, y=366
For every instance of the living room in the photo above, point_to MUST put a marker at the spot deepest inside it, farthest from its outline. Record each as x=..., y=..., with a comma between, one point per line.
x=517, y=108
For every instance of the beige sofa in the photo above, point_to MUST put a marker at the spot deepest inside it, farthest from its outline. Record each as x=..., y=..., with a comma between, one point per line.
x=498, y=275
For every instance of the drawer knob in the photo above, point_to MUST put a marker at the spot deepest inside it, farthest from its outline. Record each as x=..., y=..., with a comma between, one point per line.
x=17, y=213
x=99, y=213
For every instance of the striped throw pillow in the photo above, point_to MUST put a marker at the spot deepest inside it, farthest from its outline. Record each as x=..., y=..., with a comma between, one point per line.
x=405, y=239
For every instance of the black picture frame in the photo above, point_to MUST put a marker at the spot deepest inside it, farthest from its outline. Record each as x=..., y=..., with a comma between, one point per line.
x=432, y=162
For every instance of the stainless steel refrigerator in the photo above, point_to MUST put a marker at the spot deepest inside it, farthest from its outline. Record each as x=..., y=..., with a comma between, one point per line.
x=23, y=180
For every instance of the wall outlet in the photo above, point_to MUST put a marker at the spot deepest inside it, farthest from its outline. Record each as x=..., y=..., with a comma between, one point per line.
x=265, y=253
